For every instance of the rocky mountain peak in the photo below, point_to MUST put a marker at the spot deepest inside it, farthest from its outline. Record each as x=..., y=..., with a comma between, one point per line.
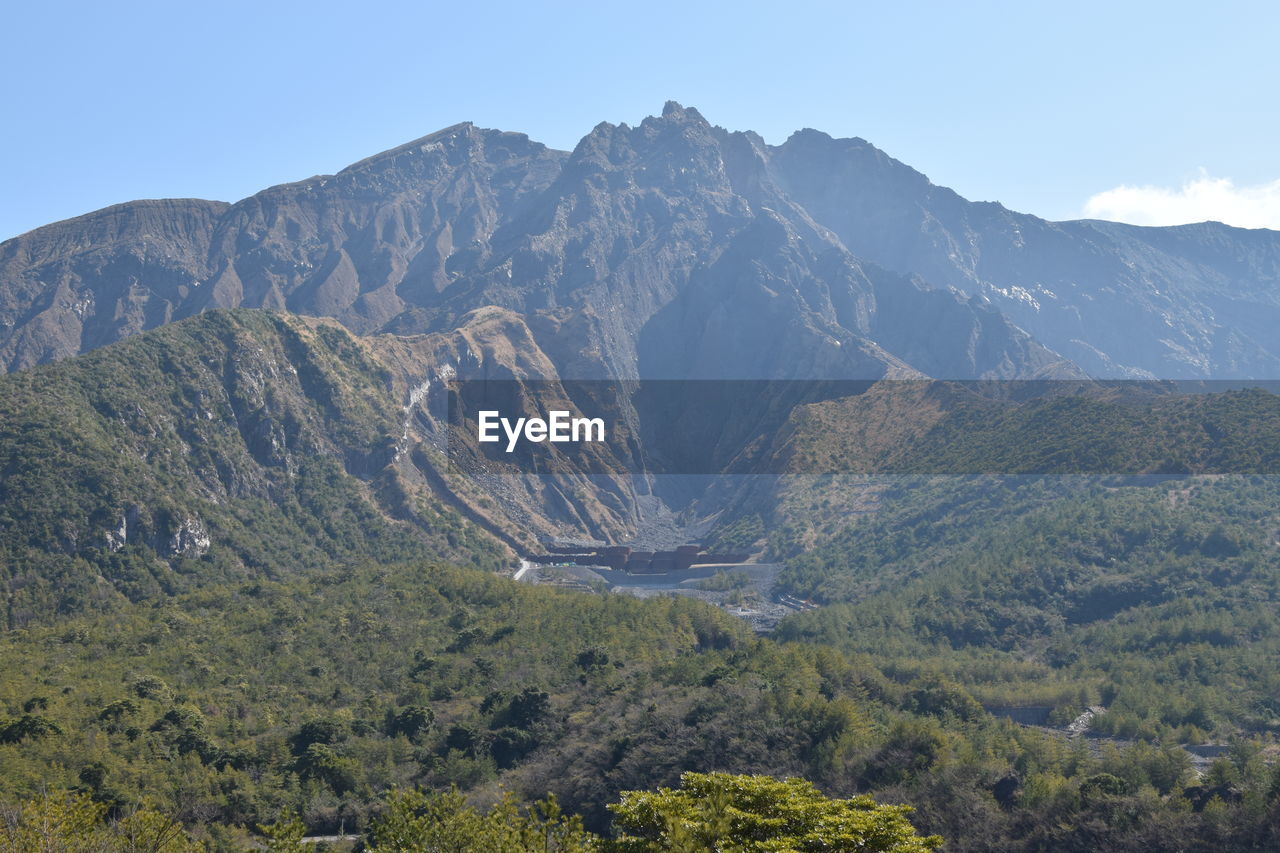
x=673, y=111
x=411, y=239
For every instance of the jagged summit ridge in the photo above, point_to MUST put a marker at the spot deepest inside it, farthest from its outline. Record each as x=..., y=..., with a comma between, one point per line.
x=634, y=227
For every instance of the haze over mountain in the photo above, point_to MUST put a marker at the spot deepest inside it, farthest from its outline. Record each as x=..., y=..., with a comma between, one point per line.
x=674, y=248
x=1119, y=300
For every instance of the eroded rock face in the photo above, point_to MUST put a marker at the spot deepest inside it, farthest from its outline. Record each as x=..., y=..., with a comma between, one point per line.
x=670, y=250
x=190, y=539
x=360, y=246
x=667, y=248
x=76, y=285
x=663, y=249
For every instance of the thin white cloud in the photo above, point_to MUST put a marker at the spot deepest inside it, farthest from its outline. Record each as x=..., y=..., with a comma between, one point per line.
x=1201, y=198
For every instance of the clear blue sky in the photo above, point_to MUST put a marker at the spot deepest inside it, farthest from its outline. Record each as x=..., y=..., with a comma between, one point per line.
x=1036, y=105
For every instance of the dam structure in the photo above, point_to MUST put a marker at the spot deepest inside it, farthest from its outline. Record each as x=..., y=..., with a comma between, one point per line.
x=624, y=559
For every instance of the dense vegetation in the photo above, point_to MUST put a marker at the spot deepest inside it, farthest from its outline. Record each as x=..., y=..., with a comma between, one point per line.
x=710, y=811
x=1126, y=429
x=224, y=610
x=236, y=704
x=717, y=811
x=315, y=695
x=223, y=447
x=1158, y=601
x=949, y=428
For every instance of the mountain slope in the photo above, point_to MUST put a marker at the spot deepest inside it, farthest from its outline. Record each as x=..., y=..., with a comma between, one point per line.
x=358, y=246
x=231, y=446
x=82, y=283
x=1155, y=600
x=1191, y=301
x=637, y=241
x=627, y=226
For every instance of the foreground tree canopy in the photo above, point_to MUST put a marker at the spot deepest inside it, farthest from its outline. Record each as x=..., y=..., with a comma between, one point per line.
x=724, y=812
x=74, y=823
x=710, y=812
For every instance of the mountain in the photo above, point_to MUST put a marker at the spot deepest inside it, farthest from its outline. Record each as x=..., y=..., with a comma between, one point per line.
x=247, y=443
x=218, y=546
x=669, y=248
x=224, y=447
x=1188, y=301
x=230, y=472
x=1038, y=590
x=357, y=246
x=252, y=444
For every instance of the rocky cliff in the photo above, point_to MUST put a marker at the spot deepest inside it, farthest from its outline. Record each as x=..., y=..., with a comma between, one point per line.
x=673, y=248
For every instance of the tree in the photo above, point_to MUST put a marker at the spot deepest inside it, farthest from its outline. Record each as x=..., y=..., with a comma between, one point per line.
x=74, y=823
x=724, y=812
x=411, y=721
x=424, y=820
x=324, y=731
x=28, y=727
x=285, y=835
x=145, y=830
x=528, y=707
x=322, y=763
x=69, y=824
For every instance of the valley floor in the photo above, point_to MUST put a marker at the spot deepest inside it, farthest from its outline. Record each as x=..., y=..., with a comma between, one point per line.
x=750, y=594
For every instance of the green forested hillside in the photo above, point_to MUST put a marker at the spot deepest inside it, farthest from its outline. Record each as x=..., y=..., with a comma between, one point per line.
x=317, y=694
x=235, y=444
x=1158, y=601
x=233, y=704
x=950, y=428
x=1122, y=429
x=223, y=602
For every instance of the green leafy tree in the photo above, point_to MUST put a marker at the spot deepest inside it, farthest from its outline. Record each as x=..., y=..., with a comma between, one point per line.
x=529, y=707
x=424, y=820
x=53, y=823
x=323, y=731
x=320, y=762
x=28, y=727
x=63, y=823
x=411, y=722
x=285, y=835
x=724, y=812
x=145, y=830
